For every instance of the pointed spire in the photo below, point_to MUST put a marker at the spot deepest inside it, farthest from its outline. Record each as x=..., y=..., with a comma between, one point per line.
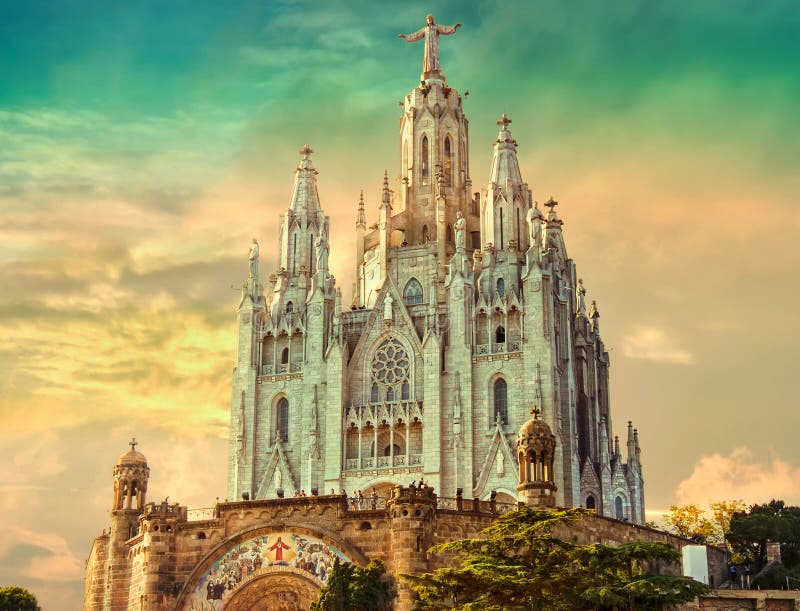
x=361, y=219
x=385, y=193
x=505, y=166
x=631, y=443
x=617, y=453
x=305, y=196
x=636, y=447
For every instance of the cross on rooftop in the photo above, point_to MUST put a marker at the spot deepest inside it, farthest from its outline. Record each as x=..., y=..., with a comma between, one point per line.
x=551, y=203
x=504, y=121
x=535, y=411
x=306, y=151
x=133, y=443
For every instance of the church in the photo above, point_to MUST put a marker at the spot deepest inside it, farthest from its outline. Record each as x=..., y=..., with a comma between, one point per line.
x=463, y=376
x=466, y=311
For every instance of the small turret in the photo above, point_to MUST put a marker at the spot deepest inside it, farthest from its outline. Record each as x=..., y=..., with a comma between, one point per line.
x=631, y=445
x=536, y=447
x=130, y=480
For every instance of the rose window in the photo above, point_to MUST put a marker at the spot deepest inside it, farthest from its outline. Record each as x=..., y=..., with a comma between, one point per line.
x=390, y=364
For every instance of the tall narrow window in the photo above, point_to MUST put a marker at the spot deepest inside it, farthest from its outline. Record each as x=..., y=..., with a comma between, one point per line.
x=502, y=233
x=413, y=292
x=374, y=395
x=448, y=162
x=425, y=235
x=501, y=401
x=618, y=508
x=283, y=419
x=590, y=502
x=425, y=160
x=405, y=158
x=294, y=254
x=404, y=391
x=289, y=307
x=390, y=395
x=284, y=356
x=500, y=334
x=501, y=287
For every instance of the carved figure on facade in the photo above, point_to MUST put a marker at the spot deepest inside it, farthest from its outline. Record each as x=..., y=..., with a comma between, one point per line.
x=534, y=218
x=253, y=257
x=460, y=228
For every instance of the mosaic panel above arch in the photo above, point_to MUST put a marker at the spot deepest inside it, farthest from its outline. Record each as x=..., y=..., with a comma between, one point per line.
x=276, y=552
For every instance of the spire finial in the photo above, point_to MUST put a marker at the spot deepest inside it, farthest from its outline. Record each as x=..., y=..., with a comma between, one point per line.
x=551, y=203
x=306, y=151
x=133, y=443
x=504, y=121
x=535, y=411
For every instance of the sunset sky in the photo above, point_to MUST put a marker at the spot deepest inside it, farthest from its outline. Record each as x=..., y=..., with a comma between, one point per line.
x=143, y=144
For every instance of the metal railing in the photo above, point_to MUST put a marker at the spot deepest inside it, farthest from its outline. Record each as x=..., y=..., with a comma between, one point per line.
x=474, y=505
x=383, y=462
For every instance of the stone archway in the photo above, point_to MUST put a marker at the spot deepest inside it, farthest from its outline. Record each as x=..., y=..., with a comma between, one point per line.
x=276, y=590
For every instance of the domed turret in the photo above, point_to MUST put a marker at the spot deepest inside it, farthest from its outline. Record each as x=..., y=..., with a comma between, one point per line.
x=130, y=480
x=536, y=448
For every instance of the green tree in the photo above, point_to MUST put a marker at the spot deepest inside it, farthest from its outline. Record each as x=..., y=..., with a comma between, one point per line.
x=774, y=521
x=14, y=598
x=520, y=564
x=355, y=588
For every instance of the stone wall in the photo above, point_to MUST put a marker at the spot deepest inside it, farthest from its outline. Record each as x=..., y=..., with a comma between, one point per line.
x=169, y=556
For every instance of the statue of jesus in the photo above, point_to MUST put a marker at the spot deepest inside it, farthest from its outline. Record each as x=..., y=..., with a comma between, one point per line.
x=431, y=33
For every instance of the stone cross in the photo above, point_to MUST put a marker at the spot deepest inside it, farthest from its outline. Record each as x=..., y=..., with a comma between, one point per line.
x=504, y=121
x=133, y=443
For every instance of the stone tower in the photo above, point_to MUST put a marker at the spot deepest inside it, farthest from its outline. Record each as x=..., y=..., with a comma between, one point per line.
x=536, y=447
x=130, y=489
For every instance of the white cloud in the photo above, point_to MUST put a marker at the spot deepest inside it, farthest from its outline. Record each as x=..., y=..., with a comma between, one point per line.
x=740, y=475
x=654, y=344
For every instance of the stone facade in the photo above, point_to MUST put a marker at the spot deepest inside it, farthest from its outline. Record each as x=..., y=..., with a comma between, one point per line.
x=277, y=553
x=466, y=311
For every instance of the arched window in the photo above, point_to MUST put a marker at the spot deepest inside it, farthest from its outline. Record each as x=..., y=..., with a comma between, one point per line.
x=448, y=162
x=501, y=287
x=390, y=395
x=404, y=391
x=619, y=511
x=500, y=334
x=425, y=235
x=590, y=502
x=289, y=307
x=501, y=401
x=283, y=419
x=374, y=395
x=413, y=292
x=284, y=356
x=425, y=160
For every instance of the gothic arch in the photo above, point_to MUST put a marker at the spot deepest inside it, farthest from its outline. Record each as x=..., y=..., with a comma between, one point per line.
x=495, y=386
x=425, y=159
x=413, y=293
x=278, y=421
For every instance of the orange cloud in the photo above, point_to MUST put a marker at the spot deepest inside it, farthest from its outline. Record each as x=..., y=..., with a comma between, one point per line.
x=740, y=475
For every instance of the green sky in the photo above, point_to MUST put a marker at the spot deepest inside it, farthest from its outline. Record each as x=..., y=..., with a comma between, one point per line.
x=142, y=145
